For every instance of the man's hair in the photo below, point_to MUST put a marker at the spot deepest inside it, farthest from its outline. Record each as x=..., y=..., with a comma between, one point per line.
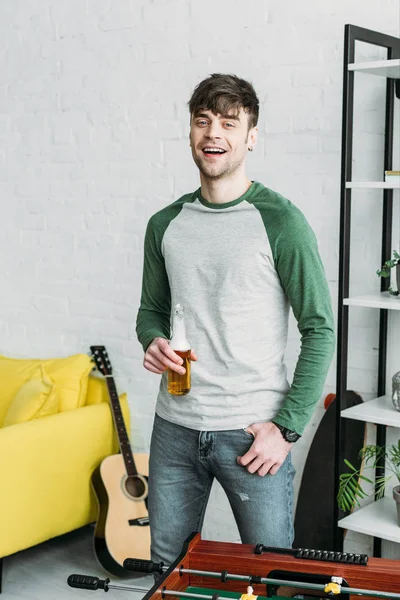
x=223, y=93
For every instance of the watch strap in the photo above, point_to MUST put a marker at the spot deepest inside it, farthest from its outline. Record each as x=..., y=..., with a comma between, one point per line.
x=287, y=434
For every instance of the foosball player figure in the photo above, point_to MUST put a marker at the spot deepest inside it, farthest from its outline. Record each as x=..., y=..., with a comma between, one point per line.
x=249, y=595
x=334, y=587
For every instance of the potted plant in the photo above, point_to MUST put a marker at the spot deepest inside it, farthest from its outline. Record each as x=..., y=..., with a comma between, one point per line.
x=350, y=484
x=385, y=272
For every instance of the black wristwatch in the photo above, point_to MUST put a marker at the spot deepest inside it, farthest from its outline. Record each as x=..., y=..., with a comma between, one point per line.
x=287, y=434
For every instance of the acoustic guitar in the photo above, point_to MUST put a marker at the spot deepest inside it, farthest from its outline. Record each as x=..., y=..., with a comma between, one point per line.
x=120, y=485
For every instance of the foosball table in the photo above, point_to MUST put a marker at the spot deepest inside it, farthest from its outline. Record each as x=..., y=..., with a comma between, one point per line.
x=208, y=570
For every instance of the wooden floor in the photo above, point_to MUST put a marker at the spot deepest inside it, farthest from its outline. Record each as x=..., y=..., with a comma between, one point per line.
x=41, y=573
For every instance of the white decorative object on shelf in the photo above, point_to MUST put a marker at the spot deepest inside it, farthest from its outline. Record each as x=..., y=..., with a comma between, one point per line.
x=396, y=391
x=386, y=272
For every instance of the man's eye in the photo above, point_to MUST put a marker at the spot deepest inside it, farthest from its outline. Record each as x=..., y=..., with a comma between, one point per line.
x=229, y=124
x=201, y=123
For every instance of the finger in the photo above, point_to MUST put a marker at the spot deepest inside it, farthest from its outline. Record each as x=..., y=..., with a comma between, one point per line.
x=246, y=458
x=275, y=468
x=162, y=348
x=174, y=367
x=152, y=364
x=164, y=360
x=150, y=367
x=266, y=468
x=254, y=466
x=193, y=355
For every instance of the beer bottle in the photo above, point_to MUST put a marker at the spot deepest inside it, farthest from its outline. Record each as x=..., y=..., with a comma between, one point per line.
x=178, y=384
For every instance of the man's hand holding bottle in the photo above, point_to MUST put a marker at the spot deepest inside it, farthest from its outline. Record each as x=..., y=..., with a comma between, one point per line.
x=159, y=357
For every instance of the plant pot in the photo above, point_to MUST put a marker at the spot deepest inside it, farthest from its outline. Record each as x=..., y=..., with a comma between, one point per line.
x=396, y=390
x=396, y=496
x=398, y=278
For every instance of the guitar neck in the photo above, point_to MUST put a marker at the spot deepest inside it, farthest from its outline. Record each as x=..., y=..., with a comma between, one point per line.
x=122, y=434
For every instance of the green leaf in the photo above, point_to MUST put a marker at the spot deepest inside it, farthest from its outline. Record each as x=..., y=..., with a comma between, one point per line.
x=350, y=498
x=350, y=483
x=350, y=465
x=366, y=479
x=353, y=484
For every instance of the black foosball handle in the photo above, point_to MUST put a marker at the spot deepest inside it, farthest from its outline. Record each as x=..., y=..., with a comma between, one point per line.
x=86, y=582
x=143, y=566
x=325, y=555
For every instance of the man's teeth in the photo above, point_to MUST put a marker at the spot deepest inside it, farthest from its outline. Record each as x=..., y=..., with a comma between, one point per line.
x=213, y=150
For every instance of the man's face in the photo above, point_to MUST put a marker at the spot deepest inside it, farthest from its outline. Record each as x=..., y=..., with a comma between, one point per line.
x=220, y=142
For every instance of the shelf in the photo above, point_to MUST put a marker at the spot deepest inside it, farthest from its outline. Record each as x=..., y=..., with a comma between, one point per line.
x=379, y=411
x=381, y=185
x=379, y=300
x=378, y=519
x=384, y=68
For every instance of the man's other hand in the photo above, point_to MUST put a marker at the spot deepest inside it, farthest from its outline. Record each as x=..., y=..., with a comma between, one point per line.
x=268, y=451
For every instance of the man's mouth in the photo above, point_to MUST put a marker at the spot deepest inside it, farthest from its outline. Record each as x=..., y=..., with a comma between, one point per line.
x=212, y=151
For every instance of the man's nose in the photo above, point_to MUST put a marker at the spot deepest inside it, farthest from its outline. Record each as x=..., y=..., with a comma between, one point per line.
x=214, y=131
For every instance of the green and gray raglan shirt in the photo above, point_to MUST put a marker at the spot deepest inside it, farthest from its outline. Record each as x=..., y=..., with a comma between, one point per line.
x=236, y=268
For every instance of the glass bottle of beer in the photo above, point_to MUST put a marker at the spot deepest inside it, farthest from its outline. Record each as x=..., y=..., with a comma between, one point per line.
x=178, y=385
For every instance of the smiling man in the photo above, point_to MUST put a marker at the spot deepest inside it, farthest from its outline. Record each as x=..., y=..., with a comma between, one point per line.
x=220, y=143
x=237, y=256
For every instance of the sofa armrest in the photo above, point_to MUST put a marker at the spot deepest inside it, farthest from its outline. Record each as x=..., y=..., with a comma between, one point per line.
x=46, y=467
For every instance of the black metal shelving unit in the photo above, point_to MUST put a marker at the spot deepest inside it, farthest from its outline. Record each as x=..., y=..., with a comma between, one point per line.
x=355, y=34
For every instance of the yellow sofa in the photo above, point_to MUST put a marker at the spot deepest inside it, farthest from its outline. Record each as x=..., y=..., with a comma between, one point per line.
x=46, y=466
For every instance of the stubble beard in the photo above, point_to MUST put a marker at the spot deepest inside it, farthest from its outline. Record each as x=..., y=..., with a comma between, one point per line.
x=215, y=172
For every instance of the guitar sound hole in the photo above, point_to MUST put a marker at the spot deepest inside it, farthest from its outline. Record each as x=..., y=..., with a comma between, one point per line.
x=135, y=487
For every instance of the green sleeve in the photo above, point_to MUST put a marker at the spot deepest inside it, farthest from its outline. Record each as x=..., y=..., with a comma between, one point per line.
x=302, y=276
x=153, y=319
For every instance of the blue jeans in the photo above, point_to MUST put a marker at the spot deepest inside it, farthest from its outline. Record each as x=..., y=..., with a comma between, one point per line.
x=183, y=465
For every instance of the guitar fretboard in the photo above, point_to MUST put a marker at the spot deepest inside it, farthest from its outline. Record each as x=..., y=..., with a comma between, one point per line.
x=123, y=437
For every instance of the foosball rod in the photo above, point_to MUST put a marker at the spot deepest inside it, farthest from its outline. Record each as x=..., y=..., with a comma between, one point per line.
x=316, y=586
x=148, y=566
x=94, y=583
x=89, y=582
x=320, y=587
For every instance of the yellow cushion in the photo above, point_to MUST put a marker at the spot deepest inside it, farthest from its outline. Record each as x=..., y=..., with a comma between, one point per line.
x=97, y=390
x=69, y=374
x=36, y=398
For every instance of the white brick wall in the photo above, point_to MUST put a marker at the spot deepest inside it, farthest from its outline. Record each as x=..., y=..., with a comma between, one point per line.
x=94, y=139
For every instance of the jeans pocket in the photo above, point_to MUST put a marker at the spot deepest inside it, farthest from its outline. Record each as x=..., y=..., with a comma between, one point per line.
x=248, y=433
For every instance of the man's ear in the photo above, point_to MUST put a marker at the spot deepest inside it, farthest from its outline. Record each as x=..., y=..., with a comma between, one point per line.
x=252, y=137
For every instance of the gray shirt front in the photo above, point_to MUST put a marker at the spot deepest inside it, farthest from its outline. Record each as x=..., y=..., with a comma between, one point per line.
x=236, y=268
